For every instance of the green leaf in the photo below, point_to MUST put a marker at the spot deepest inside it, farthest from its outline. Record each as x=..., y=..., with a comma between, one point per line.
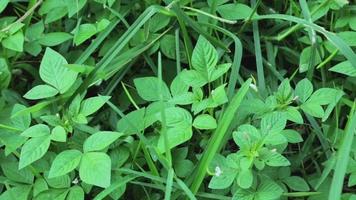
x=219, y=71
x=292, y=136
x=204, y=58
x=303, y=90
x=234, y=11
x=38, y=130
x=3, y=4
x=95, y=169
x=294, y=115
x=268, y=190
x=84, y=32
x=33, y=150
x=273, y=122
x=296, y=183
x=204, y=122
x=54, y=73
x=100, y=140
x=219, y=96
x=39, y=186
x=308, y=55
x=245, y=178
x=16, y=193
x=176, y=136
x=41, y=92
x=10, y=170
x=313, y=109
x=58, y=134
x=178, y=86
x=148, y=88
x=273, y=158
x=74, y=6
x=93, y=104
x=64, y=163
x=14, y=42
x=225, y=174
x=352, y=180
x=344, y=68
x=5, y=74
x=54, y=38
x=193, y=78
x=75, y=193
x=58, y=181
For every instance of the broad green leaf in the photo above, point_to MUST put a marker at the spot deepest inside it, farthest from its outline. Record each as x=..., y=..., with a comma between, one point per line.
x=268, y=190
x=37, y=130
x=93, y=104
x=64, y=163
x=54, y=38
x=313, y=109
x=84, y=32
x=224, y=174
x=41, y=92
x=245, y=136
x=95, y=169
x=273, y=158
x=273, y=122
x=58, y=134
x=39, y=186
x=183, y=99
x=10, y=170
x=132, y=123
x=16, y=193
x=53, y=71
x=234, y=11
x=296, y=183
x=34, y=32
x=33, y=150
x=148, y=88
x=220, y=70
x=3, y=4
x=14, y=42
x=178, y=86
x=102, y=24
x=307, y=56
x=5, y=74
x=292, y=136
x=75, y=193
x=244, y=194
x=193, y=78
x=176, y=136
x=100, y=140
x=204, y=122
x=348, y=37
x=218, y=95
x=324, y=96
x=204, y=58
x=74, y=6
x=56, y=194
x=352, y=180
x=294, y=115
x=58, y=181
x=284, y=92
x=303, y=90
x=245, y=178
x=344, y=68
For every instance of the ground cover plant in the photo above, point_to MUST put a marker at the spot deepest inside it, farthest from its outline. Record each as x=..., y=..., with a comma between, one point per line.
x=177, y=99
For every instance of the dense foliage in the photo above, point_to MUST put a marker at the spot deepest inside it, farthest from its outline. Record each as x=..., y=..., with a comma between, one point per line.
x=151, y=99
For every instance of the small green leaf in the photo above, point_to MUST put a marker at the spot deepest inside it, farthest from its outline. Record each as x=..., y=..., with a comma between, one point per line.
x=303, y=90
x=204, y=122
x=204, y=58
x=148, y=88
x=313, y=109
x=344, y=68
x=54, y=38
x=33, y=150
x=64, y=163
x=100, y=140
x=308, y=55
x=95, y=169
x=37, y=130
x=234, y=11
x=41, y=92
x=14, y=42
x=193, y=78
x=3, y=4
x=268, y=190
x=292, y=136
x=54, y=73
x=59, y=134
x=5, y=74
x=296, y=183
x=245, y=178
x=93, y=104
x=84, y=32
x=75, y=193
